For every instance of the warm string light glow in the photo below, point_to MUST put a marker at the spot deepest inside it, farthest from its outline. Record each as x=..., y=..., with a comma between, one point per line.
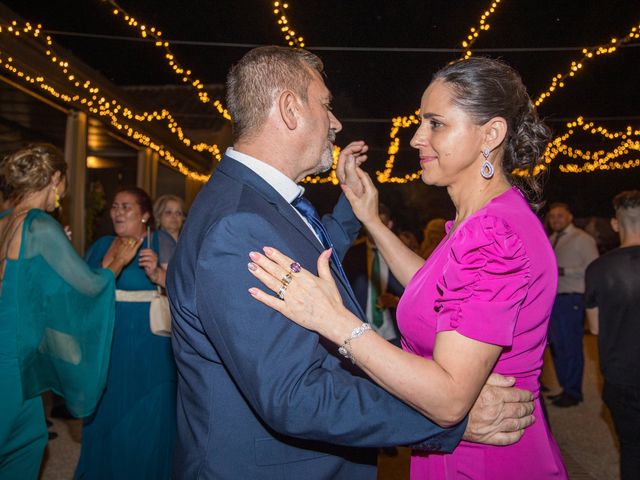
x=108, y=106
x=396, y=124
x=185, y=74
x=88, y=96
x=291, y=37
x=474, y=32
x=589, y=53
x=593, y=161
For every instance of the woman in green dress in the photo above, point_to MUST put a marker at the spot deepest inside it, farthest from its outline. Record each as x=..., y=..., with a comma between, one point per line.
x=56, y=314
x=132, y=432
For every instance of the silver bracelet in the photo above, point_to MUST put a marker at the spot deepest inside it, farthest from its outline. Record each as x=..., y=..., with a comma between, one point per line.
x=345, y=348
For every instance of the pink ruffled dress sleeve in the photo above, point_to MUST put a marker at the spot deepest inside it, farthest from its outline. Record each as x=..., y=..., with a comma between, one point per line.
x=484, y=282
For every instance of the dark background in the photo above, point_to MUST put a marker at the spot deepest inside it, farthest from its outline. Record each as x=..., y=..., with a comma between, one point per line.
x=371, y=86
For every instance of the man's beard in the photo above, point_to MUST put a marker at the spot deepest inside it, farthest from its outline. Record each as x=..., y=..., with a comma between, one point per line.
x=326, y=159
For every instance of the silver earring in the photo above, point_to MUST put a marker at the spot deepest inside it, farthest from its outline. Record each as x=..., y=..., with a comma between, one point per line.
x=486, y=170
x=144, y=220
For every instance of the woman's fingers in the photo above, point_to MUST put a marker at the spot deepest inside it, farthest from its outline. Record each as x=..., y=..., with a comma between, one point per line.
x=268, y=300
x=324, y=268
x=270, y=280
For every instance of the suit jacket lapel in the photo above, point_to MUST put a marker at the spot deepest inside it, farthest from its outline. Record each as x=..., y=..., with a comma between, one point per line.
x=231, y=168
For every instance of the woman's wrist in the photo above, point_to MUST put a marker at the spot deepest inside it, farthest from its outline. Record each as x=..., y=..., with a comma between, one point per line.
x=341, y=327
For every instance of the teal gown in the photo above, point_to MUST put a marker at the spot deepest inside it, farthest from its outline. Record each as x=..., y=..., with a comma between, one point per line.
x=132, y=433
x=56, y=324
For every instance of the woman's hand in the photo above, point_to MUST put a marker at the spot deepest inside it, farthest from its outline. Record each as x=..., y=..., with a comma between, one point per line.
x=126, y=249
x=149, y=262
x=120, y=254
x=351, y=157
x=310, y=301
x=365, y=206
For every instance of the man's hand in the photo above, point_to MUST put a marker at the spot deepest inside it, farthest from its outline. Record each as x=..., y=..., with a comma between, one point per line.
x=500, y=414
x=351, y=157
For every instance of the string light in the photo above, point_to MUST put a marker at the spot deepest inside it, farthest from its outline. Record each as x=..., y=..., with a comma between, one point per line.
x=95, y=102
x=558, y=81
x=185, y=74
x=290, y=35
x=593, y=161
x=474, y=32
x=74, y=80
x=394, y=146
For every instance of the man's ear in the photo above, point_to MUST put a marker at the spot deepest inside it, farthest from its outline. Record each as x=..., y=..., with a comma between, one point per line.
x=615, y=226
x=495, y=131
x=288, y=109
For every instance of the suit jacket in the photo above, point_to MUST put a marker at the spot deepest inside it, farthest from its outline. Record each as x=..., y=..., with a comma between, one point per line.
x=258, y=396
x=356, y=267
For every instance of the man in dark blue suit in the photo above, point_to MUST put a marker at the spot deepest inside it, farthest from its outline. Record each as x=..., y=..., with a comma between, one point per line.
x=258, y=396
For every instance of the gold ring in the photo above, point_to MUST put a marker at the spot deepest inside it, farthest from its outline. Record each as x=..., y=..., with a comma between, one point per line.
x=286, y=280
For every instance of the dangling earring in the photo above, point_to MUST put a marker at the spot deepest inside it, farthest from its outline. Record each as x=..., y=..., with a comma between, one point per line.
x=56, y=197
x=486, y=170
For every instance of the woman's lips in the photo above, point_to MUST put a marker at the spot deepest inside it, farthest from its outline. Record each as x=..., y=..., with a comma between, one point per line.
x=426, y=159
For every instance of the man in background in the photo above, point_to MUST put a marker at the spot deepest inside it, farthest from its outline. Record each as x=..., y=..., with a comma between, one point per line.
x=612, y=300
x=575, y=250
x=376, y=289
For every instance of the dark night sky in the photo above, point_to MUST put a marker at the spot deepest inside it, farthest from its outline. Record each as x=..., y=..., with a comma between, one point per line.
x=379, y=85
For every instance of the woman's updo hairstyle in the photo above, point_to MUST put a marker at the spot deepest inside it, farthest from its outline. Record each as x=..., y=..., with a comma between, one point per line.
x=486, y=88
x=31, y=168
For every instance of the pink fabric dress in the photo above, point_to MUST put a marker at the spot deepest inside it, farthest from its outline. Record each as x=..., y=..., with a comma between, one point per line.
x=493, y=280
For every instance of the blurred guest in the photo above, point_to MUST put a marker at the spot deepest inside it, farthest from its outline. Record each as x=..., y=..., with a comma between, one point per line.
x=374, y=286
x=611, y=297
x=433, y=232
x=410, y=240
x=575, y=250
x=56, y=314
x=169, y=213
x=132, y=432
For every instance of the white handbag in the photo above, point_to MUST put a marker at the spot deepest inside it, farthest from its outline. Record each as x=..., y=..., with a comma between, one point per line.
x=160, y=315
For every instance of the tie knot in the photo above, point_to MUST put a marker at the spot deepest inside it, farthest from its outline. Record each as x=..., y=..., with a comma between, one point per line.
x=305, y=207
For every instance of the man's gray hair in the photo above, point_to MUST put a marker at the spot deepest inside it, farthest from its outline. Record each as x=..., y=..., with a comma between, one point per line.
x=261, y=74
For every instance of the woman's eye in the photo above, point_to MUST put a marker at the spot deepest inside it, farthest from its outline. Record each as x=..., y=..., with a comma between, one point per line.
x=435, y=123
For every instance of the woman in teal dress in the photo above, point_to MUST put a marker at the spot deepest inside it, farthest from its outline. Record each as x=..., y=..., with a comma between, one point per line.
x=56, y=314
x=131, y=434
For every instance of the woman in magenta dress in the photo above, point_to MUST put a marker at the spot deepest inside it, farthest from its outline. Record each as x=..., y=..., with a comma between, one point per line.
x=481, y=303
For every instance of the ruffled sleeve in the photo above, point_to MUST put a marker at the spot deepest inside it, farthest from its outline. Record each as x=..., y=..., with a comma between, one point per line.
x=484, y=282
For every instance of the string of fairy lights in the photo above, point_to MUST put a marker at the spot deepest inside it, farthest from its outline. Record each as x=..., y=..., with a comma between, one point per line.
x=107, y=106
x=559, y=80
x=474, y=32
x=84, y=94
x=629, y=140
x=290, y=36
x=88, y=95
x=185, y=74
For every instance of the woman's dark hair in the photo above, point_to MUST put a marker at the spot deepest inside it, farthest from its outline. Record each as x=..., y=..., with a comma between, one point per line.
x=30, y=169
x=143, y=199
x=486, y=88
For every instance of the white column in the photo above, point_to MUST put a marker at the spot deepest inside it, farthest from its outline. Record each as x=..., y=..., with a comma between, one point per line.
x=147, y=175
x=75, y=153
